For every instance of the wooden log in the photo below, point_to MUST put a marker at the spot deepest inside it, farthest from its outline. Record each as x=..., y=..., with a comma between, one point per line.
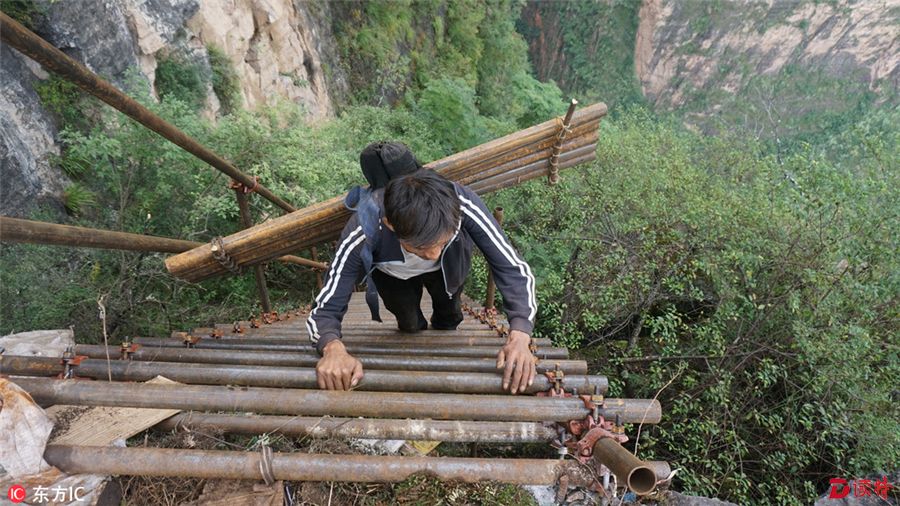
x=515, y=140
x=540, y=169
x=469, y=170
x=542, y=154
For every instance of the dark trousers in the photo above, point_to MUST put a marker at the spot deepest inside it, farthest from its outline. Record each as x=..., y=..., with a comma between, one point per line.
x=403, y=298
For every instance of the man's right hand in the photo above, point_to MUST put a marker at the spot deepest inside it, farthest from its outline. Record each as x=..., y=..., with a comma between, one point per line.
x=337, y=369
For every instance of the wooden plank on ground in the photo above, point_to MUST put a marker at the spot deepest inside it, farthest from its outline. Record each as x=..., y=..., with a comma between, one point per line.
x=100, y=426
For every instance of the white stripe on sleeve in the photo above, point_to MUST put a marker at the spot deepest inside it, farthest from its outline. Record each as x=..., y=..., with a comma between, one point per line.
x=475, y=212
x=340, y=258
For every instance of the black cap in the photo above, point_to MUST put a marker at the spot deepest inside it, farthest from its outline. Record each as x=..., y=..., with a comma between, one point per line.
x=383, y=161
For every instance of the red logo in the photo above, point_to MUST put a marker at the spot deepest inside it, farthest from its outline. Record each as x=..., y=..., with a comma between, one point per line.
x=840, y=488
x=16, y=493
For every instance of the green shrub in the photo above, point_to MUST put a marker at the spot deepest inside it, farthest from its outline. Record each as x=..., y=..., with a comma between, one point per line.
x=448, y=107
x=597, y=48
x=23, y=11
x=182, y=79
x=77, y=198
x=225, y=80
x=69, y=105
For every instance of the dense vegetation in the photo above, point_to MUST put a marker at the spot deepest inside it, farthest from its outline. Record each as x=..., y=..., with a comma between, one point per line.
x=756, y=297
x=751, y=287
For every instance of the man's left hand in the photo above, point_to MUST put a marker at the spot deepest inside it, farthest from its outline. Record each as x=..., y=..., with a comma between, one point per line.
x=517, y=362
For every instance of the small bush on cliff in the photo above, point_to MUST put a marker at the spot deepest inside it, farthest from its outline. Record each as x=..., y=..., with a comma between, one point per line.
x=69, y=105
x=225, y=80
x=182, y=79
x=472, y=51
x=23, y=11
x=77, y=198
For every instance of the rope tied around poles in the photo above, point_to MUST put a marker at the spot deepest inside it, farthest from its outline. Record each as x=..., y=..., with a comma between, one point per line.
x=221, y=256
x=565, y=128
x=241, y=187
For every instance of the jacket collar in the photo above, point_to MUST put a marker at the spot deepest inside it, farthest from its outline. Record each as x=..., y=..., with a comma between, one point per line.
x=369, y=206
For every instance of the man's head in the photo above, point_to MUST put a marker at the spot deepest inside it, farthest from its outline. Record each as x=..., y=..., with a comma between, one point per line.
x=422, y=209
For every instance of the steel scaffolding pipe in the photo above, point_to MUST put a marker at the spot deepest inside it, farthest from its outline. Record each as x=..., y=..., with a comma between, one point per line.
x=259, y=271
x=323, y=221
x=637, y=475
x=351, y=329
x=434, y=338
x=358, y=330
x=366, y=428
x=285, y=401
x=288, y=377
x=234, y=465
x=39, y=50
x=354, y=348
x=266, y=358
x=39, y=232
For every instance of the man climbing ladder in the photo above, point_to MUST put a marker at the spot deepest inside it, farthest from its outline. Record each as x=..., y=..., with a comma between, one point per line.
x=412, y=229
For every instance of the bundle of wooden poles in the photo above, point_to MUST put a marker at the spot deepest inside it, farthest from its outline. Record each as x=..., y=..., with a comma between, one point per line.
x=541, y=150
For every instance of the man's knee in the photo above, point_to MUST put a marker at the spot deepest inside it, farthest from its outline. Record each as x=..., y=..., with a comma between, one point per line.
x=412, y=322
x=447, y=320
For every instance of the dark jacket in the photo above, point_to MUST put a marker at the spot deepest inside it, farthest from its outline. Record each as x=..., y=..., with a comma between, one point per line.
x=366, y=242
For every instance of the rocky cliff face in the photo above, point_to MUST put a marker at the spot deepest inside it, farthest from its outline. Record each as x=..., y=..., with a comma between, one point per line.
x=27, y=144
x=276, y=47
x=682, y=47
x=772, y=68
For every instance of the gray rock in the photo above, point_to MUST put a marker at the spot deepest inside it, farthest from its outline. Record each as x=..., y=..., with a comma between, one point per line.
x=168, y=17
x=27, y=141
x=92, y=32
x=676, y=499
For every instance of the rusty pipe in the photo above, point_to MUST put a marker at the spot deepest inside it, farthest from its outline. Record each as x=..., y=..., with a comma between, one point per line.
x=39, y=50
x=354, y=348
x=267, y=358
x=259, y=270
x=234, y=465
x=630, y=471
x=288, y=377
x=366, y=428
x=353, y=333
x=426, y=338
x=289, y=401
x=39, y=232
